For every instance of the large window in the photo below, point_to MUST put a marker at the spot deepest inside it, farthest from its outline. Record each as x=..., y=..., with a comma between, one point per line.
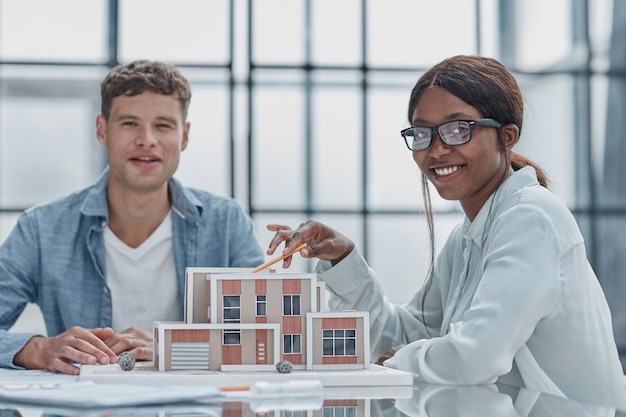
x=297, y=105
x=339, y=342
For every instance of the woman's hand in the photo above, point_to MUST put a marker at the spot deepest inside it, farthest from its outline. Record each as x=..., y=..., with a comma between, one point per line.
x=322, y=241
x=388, y=355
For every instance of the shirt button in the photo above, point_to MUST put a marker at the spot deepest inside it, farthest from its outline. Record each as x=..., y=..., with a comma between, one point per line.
x=104, y=224
x=105, y=290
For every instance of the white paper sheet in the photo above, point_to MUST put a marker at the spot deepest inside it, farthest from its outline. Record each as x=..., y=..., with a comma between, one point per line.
x=18, y=376
x=87, y=394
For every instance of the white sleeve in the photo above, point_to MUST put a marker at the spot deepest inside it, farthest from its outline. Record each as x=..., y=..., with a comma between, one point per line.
x=519, y=286
x=353, y=285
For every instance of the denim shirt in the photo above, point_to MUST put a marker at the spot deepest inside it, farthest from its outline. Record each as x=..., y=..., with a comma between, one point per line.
x=54, y=257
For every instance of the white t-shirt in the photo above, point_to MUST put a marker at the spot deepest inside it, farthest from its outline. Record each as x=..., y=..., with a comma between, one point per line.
x=142, y=280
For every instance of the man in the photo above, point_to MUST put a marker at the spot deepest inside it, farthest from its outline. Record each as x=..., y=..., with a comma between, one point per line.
x=105, y=262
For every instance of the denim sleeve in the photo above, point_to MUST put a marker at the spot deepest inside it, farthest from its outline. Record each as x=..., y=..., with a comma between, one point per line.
x=18, y=285
x=245, y=248
x=10, y=344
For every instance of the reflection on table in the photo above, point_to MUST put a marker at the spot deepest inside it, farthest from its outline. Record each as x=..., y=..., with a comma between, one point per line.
x=497, y=400
x=421, y=400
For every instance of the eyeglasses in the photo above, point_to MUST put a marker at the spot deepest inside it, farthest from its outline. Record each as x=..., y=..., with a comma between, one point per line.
x=452, y=133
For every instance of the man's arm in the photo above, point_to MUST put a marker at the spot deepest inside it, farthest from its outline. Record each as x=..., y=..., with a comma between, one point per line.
x=19, y=262
x=19, y=285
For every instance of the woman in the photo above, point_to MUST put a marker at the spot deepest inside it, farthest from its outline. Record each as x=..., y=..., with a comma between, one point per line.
x=511, y=297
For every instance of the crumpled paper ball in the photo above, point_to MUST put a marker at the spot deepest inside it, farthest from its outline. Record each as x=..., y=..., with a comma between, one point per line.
x=284, y=367
x=126, y=361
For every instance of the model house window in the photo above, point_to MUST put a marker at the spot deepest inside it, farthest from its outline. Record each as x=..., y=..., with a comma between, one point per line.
x=291, y=343
x=232, y=314
x=261, y=305
x=339, y=342
x=291, y=305
x=292, y=413
x=232, y=337
x=348, y=411
x=232, y=309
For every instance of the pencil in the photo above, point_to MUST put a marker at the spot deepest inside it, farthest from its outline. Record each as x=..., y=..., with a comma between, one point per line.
x=234, y=388
x=278, y=259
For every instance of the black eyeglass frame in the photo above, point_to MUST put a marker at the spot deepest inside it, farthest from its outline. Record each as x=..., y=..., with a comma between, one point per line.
x=489, y=122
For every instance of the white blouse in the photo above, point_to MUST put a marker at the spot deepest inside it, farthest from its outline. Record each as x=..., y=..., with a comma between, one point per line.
x=513, y=300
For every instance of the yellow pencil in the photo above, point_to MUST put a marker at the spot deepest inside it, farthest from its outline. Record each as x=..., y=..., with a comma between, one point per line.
x=234, y=388
x=278, y=259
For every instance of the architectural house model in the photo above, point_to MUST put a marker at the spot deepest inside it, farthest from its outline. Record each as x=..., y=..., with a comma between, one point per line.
x=240, y=321
x=238, y=325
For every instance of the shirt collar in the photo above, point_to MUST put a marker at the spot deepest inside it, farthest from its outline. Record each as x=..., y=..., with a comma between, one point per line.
x=524, y=177
x=184, y=203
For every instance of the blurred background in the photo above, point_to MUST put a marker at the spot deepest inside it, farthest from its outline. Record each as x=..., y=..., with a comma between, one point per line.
x=297, y=107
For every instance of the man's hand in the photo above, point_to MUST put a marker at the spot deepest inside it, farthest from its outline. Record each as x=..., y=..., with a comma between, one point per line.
x=56, y=353
x=136, y=341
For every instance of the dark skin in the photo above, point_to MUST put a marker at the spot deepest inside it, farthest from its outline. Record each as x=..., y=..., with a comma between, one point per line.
x=323, y=242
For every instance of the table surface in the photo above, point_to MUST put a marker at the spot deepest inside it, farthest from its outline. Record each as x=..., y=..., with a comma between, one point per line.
x=418, y=399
